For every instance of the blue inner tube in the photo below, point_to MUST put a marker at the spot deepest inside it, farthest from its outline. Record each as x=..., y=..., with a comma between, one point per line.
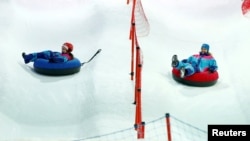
x=43, y=66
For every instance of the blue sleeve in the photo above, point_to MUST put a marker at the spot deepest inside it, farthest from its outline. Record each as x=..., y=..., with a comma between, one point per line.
x=213, y=65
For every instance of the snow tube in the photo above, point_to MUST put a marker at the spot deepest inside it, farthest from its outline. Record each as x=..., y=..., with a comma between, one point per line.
x=43, y=66
x=201, y=79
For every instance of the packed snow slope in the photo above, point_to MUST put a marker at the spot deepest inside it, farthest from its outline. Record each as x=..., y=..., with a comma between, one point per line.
x=99, y=98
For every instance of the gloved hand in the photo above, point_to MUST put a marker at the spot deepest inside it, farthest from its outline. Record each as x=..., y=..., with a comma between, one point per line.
x=212, y=69
x=184, y=60
x=51, y=60
x=55, y=60
x=58, y=59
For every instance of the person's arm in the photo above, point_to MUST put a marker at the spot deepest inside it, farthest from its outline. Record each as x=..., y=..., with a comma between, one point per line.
x=213, y=65
x=58, y=58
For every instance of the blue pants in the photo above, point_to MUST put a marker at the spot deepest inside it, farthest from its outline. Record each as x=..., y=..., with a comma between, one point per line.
x=189, y=68
x=48, y=55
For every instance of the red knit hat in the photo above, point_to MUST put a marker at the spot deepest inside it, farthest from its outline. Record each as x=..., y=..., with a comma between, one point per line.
x=69, y=46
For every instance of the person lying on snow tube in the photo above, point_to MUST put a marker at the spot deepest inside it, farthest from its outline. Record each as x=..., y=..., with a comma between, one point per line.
x=52, y=56
x=196, y=63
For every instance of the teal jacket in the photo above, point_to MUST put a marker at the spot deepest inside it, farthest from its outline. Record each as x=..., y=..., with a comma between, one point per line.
x=198, y=63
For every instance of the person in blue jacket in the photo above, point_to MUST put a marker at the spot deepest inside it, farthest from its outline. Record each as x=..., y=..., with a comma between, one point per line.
x=196, y=63
x=53, y=56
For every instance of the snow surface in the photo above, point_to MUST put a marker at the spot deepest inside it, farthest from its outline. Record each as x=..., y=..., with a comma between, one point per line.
x=97, y=100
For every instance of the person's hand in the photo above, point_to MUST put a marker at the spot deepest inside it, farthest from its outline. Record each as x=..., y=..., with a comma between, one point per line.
x=51, y=60
x=57, y=60
x=212, y=69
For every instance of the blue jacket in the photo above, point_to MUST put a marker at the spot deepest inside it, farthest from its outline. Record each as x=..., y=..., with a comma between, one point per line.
x=198, y=63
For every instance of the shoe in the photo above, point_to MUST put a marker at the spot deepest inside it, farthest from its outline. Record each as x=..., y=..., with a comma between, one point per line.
x=182, y=72
x=27, y=58
x=175, y=61
x=23, y=55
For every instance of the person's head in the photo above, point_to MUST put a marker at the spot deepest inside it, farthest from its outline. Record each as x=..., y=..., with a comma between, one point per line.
x=204, y=48
x=67, y=47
